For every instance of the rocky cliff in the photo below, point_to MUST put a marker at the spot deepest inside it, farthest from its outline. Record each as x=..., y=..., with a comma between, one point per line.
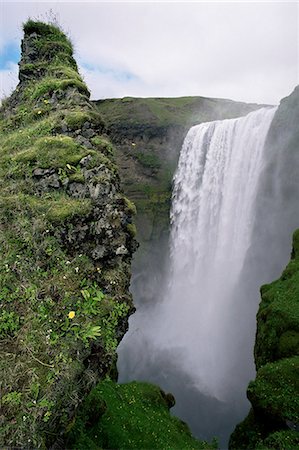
x=273, y=421
x=66, y=242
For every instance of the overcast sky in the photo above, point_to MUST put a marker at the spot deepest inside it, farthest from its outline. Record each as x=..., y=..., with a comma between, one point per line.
x=240, y=50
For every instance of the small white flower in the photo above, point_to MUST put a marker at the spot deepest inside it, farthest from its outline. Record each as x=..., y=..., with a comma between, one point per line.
x=76, y=269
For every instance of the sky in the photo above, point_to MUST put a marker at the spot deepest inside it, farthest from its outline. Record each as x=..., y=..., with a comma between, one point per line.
x=246, y=51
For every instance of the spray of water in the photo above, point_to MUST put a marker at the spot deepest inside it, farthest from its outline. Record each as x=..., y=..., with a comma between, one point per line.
x=212, y=216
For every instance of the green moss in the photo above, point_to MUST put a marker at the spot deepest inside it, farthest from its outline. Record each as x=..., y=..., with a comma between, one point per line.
x=64, y=208
x=282, y=440
x=47, y=86
x=248, y=434
x=53, y=151
x=134, y=416
x=130, y=206
x=77, y=177
x=288, y=344
x=103, y=145
x=56, y=207
x=76, y=119
x=278, y=313
x=276, y=388
x=48, y=31
x=131, y=227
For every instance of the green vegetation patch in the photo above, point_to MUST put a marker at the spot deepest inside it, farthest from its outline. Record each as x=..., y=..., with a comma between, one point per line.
x=48, y=85
x=149, y=160
x=276, y=389
x=130, y=416
x=76, y=119
x=53, y=151
x=278, y=315
x=45, y=30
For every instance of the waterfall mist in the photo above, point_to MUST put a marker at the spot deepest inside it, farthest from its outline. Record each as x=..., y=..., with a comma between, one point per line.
x=195, y=338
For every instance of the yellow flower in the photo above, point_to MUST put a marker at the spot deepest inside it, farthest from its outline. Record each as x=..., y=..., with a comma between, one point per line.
x=72, y=314
x=39, y=112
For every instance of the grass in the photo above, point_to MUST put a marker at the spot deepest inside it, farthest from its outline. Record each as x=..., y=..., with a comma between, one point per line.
x=53, y=151
x=165, y=112
x=129, y=416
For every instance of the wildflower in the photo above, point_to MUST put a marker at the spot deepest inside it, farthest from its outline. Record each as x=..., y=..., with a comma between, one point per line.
x=76, y=269
x=133, y=144
x=39, y=112
x=71, y=314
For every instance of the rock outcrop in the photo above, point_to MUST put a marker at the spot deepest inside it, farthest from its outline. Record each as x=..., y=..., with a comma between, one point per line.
x=66, y=242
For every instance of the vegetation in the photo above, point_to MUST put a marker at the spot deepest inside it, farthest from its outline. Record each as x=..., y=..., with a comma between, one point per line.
x=56, y=302
x=133, y=415
x=164, y=112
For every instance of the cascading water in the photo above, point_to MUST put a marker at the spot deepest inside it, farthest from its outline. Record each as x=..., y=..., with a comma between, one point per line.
x=213, y=208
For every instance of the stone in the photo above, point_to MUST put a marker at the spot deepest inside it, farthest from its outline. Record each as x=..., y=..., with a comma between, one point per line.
x=121, y=250
x=98, y=252
x=77, y=190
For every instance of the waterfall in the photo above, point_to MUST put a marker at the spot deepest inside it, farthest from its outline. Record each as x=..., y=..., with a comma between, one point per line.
x=213, y=208
x=197, y=332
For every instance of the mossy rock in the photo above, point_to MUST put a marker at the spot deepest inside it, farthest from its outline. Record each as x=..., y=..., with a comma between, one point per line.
x=275, y=391
x=132, y=416
x=54, y=152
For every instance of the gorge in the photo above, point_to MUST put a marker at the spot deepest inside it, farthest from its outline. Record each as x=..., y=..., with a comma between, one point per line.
x=70, y=169
x=194, y=321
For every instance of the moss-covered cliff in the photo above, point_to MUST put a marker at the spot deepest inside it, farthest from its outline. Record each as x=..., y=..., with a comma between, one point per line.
x=273, y=422
x=66, y=244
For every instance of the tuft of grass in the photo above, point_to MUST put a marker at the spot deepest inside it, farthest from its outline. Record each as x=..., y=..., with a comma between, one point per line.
x=53, y=151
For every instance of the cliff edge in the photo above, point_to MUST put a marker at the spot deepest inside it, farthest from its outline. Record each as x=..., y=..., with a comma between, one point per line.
x=66, y=242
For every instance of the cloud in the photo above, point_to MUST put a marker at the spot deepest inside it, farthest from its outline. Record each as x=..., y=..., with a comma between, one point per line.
x=244, y=51
x=8, y=79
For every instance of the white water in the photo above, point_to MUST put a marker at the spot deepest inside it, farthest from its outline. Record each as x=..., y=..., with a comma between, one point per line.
x=198, y=323
x=214, y=195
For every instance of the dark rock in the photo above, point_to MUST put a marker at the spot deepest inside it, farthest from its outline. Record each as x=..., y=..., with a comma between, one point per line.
x=77, y=190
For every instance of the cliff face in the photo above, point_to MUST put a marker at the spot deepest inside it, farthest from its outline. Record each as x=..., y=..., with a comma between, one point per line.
x=66, y=243
x=273, y=421
x=148, y=134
